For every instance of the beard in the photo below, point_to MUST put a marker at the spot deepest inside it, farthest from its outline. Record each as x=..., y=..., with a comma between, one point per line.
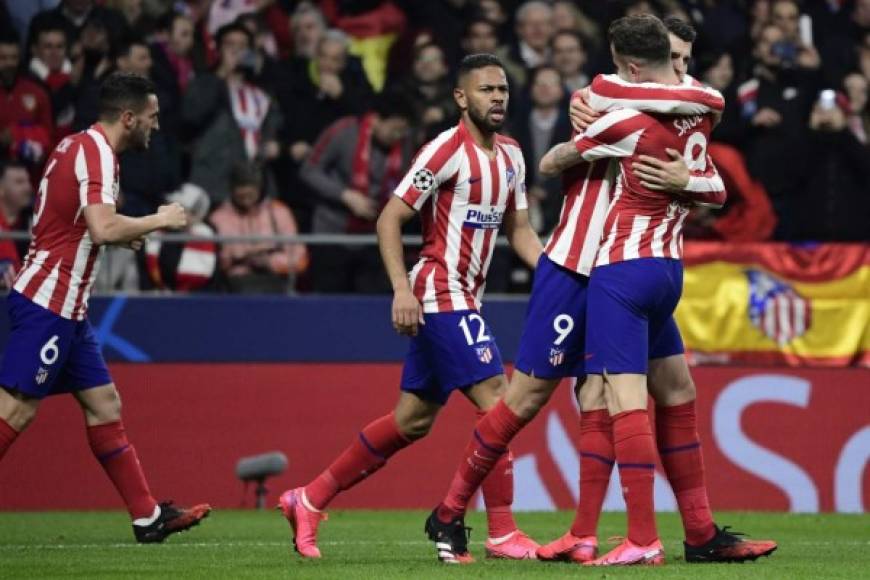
x=139, y=139
x=484, y=121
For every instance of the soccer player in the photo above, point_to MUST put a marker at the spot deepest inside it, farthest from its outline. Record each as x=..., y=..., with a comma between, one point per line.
x=670, y=384
x=464, y=184
x=52, y=348
x=552, y=343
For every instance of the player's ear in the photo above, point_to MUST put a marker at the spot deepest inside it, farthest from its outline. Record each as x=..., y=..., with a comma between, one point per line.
x=634, y=71
x=128, y=118
x=460, y=98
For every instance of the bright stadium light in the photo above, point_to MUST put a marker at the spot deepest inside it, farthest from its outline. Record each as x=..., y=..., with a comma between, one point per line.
x=257, y=468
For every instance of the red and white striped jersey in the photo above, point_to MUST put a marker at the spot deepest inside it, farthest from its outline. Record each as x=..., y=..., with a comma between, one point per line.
x=588, y=186
x=61, y=264
x=643, y=223
x=462, y=194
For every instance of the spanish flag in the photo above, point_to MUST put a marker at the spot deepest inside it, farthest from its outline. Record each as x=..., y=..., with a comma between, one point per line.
x=776, y=304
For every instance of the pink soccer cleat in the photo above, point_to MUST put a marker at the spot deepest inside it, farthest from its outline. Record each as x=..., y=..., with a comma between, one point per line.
x=570, y=548
x=630, y=554
x=514, y=546
x=303, y=521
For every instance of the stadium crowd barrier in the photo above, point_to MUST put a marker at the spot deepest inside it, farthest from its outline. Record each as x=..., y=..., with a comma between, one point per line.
x=209, y=379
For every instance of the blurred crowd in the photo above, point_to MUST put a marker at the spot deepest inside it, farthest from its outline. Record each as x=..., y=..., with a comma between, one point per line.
x=284, y=116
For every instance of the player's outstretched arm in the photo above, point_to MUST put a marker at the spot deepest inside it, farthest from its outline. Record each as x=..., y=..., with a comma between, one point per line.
x=522, y=237
x=559, y=158
x=407, y=312
x=107, y=226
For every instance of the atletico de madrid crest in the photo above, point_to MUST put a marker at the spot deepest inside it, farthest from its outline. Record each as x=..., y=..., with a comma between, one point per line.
x=41, y=376
x=776, y=308
x=557, y=356
x=484, y=354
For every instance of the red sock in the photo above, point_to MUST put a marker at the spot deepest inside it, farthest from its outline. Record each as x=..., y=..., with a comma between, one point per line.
x=491, y=437
x=596, y=463
x=680, y=450
x=636, y=457
x=7, y=437
x=376, y=443
x=118, y=458
x=498, y=495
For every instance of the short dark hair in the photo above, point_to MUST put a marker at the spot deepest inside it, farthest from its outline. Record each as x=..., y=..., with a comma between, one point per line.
x=50, y=26
x=642, y=36
x=167, y=20
x=11, y=164
x=126, y=44
x=541, y=68
x=479, y=20
x=393, y=103
x=244, y=173
x=476, y=61
x=229, y=29
x=8, y=35
x=680, y=28
x=572, y=33
x=123, y=91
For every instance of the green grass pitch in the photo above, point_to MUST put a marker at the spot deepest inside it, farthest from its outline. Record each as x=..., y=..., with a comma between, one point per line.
x=391, y=544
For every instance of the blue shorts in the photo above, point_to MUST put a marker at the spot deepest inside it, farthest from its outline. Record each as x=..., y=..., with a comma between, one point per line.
x=48, y=354
x=631, y=315
x=453, y=350
x=553, y=342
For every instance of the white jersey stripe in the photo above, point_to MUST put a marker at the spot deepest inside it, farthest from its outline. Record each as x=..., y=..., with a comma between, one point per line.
x=632, y=245
x=81, y=172
x=676, y=238
x=107, y=167
x=32, y=269
x=658, y=245
x=82, y=253
x=46, y=289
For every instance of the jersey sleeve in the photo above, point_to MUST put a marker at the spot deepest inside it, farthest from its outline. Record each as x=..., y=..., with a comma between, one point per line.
x=706, y=186
x=613, y=135
x=520, y=198
x=95, y=173
x=434, y=164
x=609, y=93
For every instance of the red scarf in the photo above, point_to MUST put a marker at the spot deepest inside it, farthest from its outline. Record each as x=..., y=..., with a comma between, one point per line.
x=361, y=175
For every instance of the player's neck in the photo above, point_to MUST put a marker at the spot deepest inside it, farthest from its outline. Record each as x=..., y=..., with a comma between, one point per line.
x=483, y=139
x=114, y=135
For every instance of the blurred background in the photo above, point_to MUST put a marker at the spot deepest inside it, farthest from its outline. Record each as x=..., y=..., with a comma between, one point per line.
x=277, y=283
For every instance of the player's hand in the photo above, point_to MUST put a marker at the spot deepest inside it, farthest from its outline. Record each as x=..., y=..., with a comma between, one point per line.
x=407, y=313
x=174, y=216
x=136, y=244
x=581, y=114
x=359, y=204
x=661, y=175
x=331, y=85
x=766, y=117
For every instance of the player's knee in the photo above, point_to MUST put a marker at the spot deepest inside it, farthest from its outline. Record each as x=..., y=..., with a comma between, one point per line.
x=416, y=427
x=106, y=408
x=679, y=392
x=17, y=411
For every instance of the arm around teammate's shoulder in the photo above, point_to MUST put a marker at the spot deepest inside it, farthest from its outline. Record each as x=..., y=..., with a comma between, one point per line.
x=107, y=226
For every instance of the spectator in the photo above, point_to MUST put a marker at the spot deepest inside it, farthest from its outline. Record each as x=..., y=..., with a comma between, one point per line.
x=16, y=196
x=354, y=167
x=74, y=15
x=430, y=90
x=184, y=266
x=832, y=204
x=308, y=26
x=568, y=16
x=50, y=65
x=544, y=124
x=858, y=121
x=792, y=49
x=569, y=58
x=230, y=117
x=717, y=70
x=534, y=28
x=314, y=94
x=138, y=22
x=480, y=35
x=172, y=69
x=26, y=123
x=257, y=267
x=775, y=106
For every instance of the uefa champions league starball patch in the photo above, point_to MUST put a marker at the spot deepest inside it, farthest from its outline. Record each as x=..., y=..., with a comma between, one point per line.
x=423, y=180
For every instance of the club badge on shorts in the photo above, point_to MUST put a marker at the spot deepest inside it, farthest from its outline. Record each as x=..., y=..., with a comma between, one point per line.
x=557, y=356
x=484, y=354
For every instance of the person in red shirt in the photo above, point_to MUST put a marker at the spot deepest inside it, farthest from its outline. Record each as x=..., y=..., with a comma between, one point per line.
x=16, y=195
x=26, y=124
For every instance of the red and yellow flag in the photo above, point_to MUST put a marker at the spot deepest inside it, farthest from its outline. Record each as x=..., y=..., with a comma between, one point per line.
x=777, y=303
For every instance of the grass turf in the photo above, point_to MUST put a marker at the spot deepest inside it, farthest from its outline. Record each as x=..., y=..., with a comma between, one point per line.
x=385, y=545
